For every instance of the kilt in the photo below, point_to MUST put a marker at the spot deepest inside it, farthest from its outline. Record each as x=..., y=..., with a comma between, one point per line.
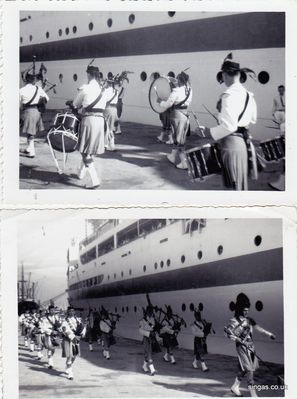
x=40, y=341
x=199, y=346
x=32, y=121
x=111, y=117
x=247, y=358
x=91, y=137
x=180, y=124
x=69, y=349
x=169, y=340
x=235, y=162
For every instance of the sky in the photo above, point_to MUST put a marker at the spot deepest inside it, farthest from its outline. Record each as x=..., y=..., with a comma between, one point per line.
x=42, y=248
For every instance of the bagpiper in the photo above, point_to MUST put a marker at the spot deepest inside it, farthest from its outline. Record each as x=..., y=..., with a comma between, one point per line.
x=168, y=333
x=199, y=341
x=51, y=326
x=240, y=330
x=107, y=327
x=72, y=329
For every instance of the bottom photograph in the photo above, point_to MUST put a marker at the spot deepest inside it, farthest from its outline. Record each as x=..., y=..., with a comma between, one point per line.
x=150, y=308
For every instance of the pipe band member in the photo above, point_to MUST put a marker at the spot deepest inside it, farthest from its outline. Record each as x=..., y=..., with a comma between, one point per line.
x=279, y=108
x=72, y=330
x=31, y=322
x=147, y=330
x=106, y=328
x=178, y=102
x=40, y=333
x=240, y=330
x=237, y=110
x=92, y=99
x=168, y=333
x=197, y=328
x=166, y=133
x=111, y=111
x=30, y=96
x=50, y=325
x=24, y=325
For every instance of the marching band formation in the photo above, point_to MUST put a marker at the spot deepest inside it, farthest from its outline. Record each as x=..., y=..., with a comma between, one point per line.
x=47, y=330
x=226, y=148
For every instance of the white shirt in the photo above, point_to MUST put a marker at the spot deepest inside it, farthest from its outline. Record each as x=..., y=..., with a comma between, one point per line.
x=177, y=95
x=27, y=92
x=279, y=104
x=88, y=93
x=105, y=326
x=233, y=100
x=113, y=94
x=146, y=325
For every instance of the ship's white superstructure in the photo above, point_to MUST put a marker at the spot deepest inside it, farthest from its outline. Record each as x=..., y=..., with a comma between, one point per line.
x=183, y=263
x=150, y=43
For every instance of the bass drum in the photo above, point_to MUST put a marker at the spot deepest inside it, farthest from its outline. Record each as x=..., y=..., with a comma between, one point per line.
x=160, y=88
x=63, y=136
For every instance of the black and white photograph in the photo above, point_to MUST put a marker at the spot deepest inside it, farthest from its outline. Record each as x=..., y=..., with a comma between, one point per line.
x=152, y=100
x=150, y=307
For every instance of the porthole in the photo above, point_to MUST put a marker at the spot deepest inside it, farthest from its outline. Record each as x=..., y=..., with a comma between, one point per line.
x=91, y=26
x=220, y=249
x=257, y=240
x=127, y=309
x=161, y=264
x=122, y=274
x=109, y=22
x=263, y=77
x=232, y=306
x=171, y=13
x=131, y=18
x=155, y=265
x=143, y=76
x=74, y=29
x=183, y=307
x=168, y=262
x=115, y=275
x=155, y=75
x=21, y=39
x=144, y=268
x=67, y=31
x=123, y=309
x=182, y=259
x=259, y=306
x=199, y=254
x=135, y=309
x=30, y=38
x=109, y=75
x=171, y=74
x=61, y=78
x=60, y=32
x=115, y=309
x=200, y=306
x=75, y=77
x=192, y=307
x=47, y=35
x=108, y=277
x=130, y=272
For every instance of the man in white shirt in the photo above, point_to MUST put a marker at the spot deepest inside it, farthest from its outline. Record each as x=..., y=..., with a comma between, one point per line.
x=92, y=98
x=30, y=96
x=179, y=101
x=237, y=110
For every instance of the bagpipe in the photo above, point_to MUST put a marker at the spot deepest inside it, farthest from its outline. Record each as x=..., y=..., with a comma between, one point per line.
x=113, y=318
x=40, y=76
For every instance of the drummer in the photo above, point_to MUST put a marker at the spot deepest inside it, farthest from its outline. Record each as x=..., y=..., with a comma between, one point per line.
x=237, y=110
x=165, y=135
x=92, y=98
x=111, y=112
x=179, y=101
x=30, y=95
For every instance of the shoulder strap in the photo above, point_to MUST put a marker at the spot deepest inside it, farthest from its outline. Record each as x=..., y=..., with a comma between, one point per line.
x=185, y=99
x=90, y=106
x=34, y=95
x=245, y=105
x=115, y=93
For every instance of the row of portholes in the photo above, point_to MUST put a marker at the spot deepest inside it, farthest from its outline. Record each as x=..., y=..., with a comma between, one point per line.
x=109, y=23
x=125, y=309
x=220, y=250
x=263, y=76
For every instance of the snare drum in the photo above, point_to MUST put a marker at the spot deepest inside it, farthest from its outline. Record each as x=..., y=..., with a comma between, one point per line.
x=63, y=136
x=273, y=149
x=204, y=161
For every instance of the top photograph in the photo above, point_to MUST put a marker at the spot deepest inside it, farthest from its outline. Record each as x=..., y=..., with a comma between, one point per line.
x=152, y=100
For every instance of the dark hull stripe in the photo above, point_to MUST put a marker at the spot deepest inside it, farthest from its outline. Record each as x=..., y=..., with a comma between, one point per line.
x=252, y=268
x=241, y=31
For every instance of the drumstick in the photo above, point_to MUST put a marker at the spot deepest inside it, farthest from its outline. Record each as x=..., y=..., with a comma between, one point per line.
x=155, y=88
x=198, y=124
x=213, y=115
